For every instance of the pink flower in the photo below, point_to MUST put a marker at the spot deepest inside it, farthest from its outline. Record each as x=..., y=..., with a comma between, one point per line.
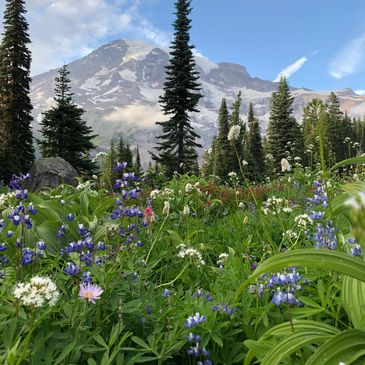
x=91, y=292
x=149, y=215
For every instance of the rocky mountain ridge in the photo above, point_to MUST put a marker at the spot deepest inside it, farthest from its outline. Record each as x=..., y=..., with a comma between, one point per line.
x=119, y=84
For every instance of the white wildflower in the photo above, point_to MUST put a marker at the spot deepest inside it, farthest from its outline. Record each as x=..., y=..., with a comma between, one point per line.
x=186, y=210
x=154, y=194
x=244, y=163
x=291, y=234
x=234, y=133
x=166, y=208
x=241, y=205
x=191, y=253
x=285, y=166
x=38, y=292
x=188, y=188
x=303, y=220
x=232, y=175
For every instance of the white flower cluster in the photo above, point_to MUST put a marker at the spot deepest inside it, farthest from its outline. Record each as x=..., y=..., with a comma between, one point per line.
x=232, y=175
x=291, y=234
x=165, y=193
x=100, y=156
x=38, y=292
x=303, y=220
x=221, y=259
x=84, y=186
x=285, y=165
x=190, y=188
x=234, y=133
x=191, y=253
x=4, y=198
x=275, y=206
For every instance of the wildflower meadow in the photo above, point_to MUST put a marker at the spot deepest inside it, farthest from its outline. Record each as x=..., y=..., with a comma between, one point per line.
x=190, y=273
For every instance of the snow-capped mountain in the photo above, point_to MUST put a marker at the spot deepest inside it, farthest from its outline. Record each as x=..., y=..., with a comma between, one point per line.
x=119, y=85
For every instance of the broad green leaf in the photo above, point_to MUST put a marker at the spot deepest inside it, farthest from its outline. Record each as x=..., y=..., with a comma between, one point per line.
x=353, y=297
x=84, y=203
x=141, y=343
x=292, y=343
x=262, y=346
x=346, y=347
x=350, y=161
x=311, y=258
x=66, y=351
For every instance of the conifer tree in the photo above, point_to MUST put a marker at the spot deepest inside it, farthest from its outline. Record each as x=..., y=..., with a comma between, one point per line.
x=283, y=129
x=222, y=146
x=137, y=164
x=255, y=150
x=64, y=132
x=16, y=140
x=312, y=115
x=176, y=150
x=336, y=129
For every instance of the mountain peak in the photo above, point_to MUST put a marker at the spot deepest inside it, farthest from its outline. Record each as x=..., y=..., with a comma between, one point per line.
x=119, y=84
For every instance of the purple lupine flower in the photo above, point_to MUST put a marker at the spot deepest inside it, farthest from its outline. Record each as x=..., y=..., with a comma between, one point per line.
x=82, y=231
x=71, y=269
x=356, y=250
x=100, y=246
x=86, y=277
x=166, y=293
x=148, y=309
x=228, y=310
x=193, y=338
x=199, y=293
x=208, y=297
x=70, y=217
x=9, y=234
x=31, y=209
x=61, y=231
x=41, y=245
x=3, y=247
x=194, y=320
x=27, y=256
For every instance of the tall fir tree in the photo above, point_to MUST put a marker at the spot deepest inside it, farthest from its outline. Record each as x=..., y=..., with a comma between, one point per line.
x=254, y=146
x=137, y=163
x=16, y=140
x=222, y=145
x=337, y=129
x=64, y=132
x=312, y=129
x=176, y=150
x=283, y=130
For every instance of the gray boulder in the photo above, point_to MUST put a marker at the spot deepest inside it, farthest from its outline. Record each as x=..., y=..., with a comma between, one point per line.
x=51, y=172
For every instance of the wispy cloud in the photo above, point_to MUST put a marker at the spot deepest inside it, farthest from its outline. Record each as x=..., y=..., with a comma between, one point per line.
x=63, y=30
x=350, y=59
x=292, y=68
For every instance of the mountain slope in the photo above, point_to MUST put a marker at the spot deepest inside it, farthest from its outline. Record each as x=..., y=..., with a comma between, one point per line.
x=119, y=85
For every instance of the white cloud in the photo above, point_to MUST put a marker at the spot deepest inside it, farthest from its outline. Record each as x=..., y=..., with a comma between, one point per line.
x=143, y=115
x=291, y=69
x=359, y=92
x=64, y=30
x=350, y=59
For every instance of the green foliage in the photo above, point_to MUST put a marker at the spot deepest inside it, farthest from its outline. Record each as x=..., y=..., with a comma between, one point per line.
x=176, y=150
x=283, y=128
x=64, y=132
x=16, y=141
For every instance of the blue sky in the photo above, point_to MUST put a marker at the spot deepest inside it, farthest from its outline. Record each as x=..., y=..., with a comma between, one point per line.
x=319, y=44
